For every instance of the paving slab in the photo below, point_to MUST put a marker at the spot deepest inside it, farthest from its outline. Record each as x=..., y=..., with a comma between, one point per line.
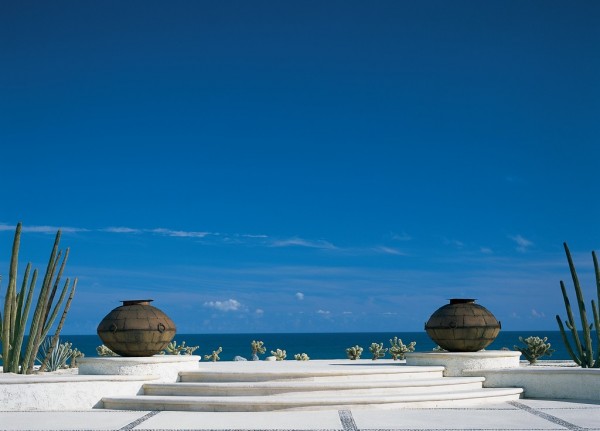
x=80, y=420
x=494, y=417
x=525, y=415
x=572, y=415
x=315, y=420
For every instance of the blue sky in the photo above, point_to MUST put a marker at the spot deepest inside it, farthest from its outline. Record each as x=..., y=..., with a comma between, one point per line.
x=274, y=166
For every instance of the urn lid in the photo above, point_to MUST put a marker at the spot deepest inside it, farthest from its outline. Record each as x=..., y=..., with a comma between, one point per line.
x=461, y=300
x=127, y=302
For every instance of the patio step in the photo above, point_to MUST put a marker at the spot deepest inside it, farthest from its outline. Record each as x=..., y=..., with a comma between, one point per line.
x=315, y=385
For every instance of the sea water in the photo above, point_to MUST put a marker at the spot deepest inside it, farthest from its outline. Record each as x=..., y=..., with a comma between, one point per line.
x=320, y=345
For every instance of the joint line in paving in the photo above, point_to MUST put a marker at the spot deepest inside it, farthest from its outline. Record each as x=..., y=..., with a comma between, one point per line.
x=135, y=423
x=546, y=416
x=347, y=420
x=248, y=429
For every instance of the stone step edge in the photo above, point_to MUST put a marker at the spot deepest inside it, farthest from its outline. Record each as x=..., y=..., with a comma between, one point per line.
x=278, y=400
x=359, y=384
x=334, y=370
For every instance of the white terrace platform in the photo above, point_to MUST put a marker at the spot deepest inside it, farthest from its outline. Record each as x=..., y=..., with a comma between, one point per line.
x=181, y=383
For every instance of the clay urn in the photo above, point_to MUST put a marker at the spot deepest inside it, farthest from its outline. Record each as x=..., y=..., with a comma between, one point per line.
x=136, y=329
x=462, y=326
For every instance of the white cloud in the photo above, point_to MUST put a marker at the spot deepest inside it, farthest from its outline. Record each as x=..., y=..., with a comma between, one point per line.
x=347, y=312
x=454, y=242
x=486, y=250
x=229, y=305
x=324, y=312
x=120, y=229
x=388, y=250
x=259, y=312
x=42, y=229
x=300, y=242
x=299, y=296
x=522, y=243
x=537, y=314
x=401, y=236
x=179, y=233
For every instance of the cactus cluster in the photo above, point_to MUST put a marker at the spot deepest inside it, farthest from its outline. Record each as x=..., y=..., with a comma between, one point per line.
x=258, y=348
x=582, y=352
x=76, y=354
x=301, y=357
x=279, y=354
x=535, y=347
x=398, y=349
x=173, y=349
x=105, y=351
x=18, y=304
x=214, y=356
x=354, y=353
x=377, y=350
x=57, y=358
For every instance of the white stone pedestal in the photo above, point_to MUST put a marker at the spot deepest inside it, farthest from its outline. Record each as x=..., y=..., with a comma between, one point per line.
x=458, y=363
x=165, y=367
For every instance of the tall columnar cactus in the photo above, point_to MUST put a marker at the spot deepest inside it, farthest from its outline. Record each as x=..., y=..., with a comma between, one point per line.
x=583, y=353
x=17, y=307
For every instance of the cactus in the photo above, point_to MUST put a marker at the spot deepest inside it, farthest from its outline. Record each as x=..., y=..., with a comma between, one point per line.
x=398, y=349
x=105, y=351
x=377, y=350
x=279, y=354
x=535, y=347
x=214, y=356
x=173, y=349
x=354, y=353
x=52, y=359
x=258, y=348
x=583, y=353
x=301, y=357
x=74, y=356
x=17, y=307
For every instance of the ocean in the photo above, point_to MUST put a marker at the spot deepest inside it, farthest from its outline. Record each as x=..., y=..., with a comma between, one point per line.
x=320, y=345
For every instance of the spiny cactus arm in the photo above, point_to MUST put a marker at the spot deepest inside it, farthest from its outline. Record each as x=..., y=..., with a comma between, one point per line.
x=24, y=316
x=563, y=333
x=16, y=321
x=597, y=272
x=20, y=301
x=596, y=309
x=46, y=287
x=57, y=281
x=570, y=322
x=48, y=324
x=9, y=299
x=54, y=286
x=32, y=343
x=597, y=323
x=588, y=353
x=61, y=322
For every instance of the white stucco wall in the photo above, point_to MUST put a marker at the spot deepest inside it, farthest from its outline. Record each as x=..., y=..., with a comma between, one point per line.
x=546, y=382
x=64, y=392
